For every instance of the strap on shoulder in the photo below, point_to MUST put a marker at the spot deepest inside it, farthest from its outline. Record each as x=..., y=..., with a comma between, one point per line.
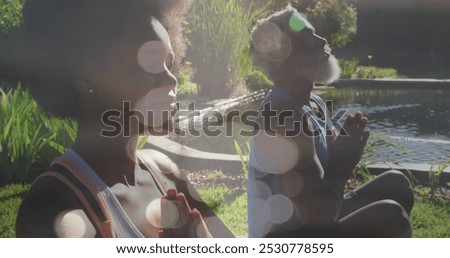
x=75, y=170
x=104, y=227
x=211, y=224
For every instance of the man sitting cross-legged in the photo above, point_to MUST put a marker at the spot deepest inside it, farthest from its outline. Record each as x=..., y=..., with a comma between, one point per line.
x=299, y=163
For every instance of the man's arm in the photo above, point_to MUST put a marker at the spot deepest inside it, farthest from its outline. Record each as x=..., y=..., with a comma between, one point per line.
x=316, y=201
x=346, y=151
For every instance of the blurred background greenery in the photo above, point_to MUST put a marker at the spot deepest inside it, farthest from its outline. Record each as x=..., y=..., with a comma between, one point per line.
x=217, y=65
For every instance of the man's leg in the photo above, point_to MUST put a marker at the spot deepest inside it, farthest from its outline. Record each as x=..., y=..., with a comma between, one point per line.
x=391, y=185
x=385, y=218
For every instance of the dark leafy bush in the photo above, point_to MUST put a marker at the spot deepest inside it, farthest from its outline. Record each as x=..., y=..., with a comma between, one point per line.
x=185, y=84
x=257, y=80
x=10, y=14
x=352, y=70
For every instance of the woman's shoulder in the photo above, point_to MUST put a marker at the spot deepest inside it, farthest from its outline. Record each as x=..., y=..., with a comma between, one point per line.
x=47, y=198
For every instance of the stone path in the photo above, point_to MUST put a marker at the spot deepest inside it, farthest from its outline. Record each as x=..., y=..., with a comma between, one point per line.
x=419, y=151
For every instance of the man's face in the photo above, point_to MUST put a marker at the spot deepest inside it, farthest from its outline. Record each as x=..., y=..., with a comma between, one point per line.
x=311, y=54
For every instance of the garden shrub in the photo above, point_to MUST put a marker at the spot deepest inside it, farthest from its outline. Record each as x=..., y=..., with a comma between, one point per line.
x=352, y=70
x=256, y=80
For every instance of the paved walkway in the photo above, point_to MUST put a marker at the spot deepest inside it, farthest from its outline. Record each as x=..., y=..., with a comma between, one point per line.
x=419, y=151
x=417, y=160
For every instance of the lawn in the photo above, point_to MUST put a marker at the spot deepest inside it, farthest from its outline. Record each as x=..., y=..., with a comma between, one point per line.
x=10, y=198
x=429, y=219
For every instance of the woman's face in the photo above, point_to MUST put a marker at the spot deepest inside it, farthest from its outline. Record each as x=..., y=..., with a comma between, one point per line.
x=137, y=74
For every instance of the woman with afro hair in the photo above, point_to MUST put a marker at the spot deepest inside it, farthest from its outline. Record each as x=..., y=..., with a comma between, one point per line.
x=109, y=65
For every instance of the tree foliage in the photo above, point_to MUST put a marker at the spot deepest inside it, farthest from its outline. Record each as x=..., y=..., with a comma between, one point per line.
x=10, y=14
x=335, y=20
x=219, y=34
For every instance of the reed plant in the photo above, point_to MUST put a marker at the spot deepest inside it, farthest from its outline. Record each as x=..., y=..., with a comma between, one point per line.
x=243, y=151
x=29, y=138
x=434, y=178
x=219, y=34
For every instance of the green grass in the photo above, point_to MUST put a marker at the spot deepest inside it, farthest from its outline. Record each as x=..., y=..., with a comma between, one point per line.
x=10, y=198
x=429, y=219
x=234, y=215
x=216, y=197
x=230, y=206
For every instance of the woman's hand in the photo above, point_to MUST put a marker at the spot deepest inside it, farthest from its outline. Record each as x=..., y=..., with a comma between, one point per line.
x=190, y=222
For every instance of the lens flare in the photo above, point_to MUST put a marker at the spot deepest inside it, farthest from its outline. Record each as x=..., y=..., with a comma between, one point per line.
x=283, y=50
x=73, y=224
x=162, y=213
x=152, y=56
x=267, y=37
x=296, y=24
x=277, y=155
x=260, y=190
x=281, y=208
x=293, y=184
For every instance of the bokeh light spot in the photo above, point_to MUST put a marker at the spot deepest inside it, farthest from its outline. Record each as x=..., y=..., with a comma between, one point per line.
x=296, y=24
x=293, y=183
x=283, y=50
x=267, y=37
x=281, y=208
x=73, y=224
x=260, y=190
x=162, y=213
x=278, y=155
x=152, y=56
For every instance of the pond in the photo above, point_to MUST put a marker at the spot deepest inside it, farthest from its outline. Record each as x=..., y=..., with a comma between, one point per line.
x=415, y=117
x=404, y=113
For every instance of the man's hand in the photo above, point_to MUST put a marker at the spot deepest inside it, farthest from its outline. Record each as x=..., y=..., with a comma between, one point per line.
x=346, y=150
